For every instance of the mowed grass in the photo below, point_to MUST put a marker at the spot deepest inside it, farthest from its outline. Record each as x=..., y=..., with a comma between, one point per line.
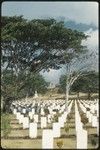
x=68, y=143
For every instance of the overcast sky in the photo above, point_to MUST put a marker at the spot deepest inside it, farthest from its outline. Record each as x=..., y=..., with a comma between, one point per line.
x=81, y=12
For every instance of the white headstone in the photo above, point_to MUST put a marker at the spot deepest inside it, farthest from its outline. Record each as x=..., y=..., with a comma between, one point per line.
x=36, y=118
x=47, y=139
x=61, y=121
x=25, y=123
x=15, y=111
x=90, y=118
x=30, y=115
x=18, y=115
x=94, y=121
x=33, y=130
x=24, y=110
x=21, y=117
x=43, y=122
x=56, y=129
x=87, y=114
x=42, y=111
x=81, y=137
x=33, y=111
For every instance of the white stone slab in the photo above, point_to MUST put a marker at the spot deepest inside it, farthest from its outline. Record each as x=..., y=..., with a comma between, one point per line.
x=21, y=117
x=36, y=118
x=25, y=123
x=30, y=115
x=87, y=114
x=18, y=115
x=94, y=121
x=47, y=139
x=15, y=111
x=56, y=129
x=49, y=118
x=61, y=121
x=43, y=122
x=24, y=111
x=42, y=111
x=33, y=130
x=81, y=138
x=33, y=111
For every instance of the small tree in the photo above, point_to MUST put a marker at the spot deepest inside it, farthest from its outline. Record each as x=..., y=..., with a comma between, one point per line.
x=76, y=68
x=88, y=83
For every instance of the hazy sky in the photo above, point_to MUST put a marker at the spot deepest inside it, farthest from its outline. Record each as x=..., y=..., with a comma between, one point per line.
x=81, y=12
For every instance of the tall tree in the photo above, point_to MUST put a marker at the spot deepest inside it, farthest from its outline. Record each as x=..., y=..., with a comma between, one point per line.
x=36, y=45
x=76, y=67
x=88, y=83
x=31, y=46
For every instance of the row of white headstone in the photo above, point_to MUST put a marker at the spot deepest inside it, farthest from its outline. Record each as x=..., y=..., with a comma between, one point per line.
x=93, y=118
x=47, y=134
x=81, y=134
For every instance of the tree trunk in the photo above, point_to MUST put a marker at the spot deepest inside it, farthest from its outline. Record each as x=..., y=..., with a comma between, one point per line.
x=67, y=97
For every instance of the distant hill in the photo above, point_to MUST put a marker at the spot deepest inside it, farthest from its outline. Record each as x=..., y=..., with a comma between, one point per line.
x=76, y=26
x=79, y=26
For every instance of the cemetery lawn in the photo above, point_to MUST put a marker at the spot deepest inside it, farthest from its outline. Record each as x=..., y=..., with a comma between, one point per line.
x=18, y=138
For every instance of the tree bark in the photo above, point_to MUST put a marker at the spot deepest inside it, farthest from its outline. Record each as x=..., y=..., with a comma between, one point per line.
x=67, y=97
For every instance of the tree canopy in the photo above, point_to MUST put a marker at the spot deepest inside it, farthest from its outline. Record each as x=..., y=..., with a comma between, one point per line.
x=29, y=46
x=87, y=83
x=37, y=44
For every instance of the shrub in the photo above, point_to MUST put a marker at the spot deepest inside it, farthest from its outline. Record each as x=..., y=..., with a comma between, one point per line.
x=67, y=129
x=88, y=109
x=93, y=141
x=84, y=119
x=60, y=144
x=5, y=125
x=46, y=111
x=69, y=117
x=55, y=118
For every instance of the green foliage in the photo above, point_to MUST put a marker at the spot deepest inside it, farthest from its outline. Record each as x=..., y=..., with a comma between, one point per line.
x=17, y=86
x=5, y=125
x=28, y=42
x=69, y=117
x=55, y=118
x=94, y=141
x=31, y=46
x=60, y=143
x=46, y=111
x=87, y=83
x=84, y=119
x=67, y=128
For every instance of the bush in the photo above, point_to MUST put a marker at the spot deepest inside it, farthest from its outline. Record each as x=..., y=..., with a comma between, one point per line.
x=55, y=118
x=84, y=119
x=69, y=116
x=46, y=111
x=60, y=144
x=5, y=125
x=67, y=129
x=93, y=141
x=88, y=109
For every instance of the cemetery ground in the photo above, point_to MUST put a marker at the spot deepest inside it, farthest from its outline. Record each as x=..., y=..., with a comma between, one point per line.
x=19, y=137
